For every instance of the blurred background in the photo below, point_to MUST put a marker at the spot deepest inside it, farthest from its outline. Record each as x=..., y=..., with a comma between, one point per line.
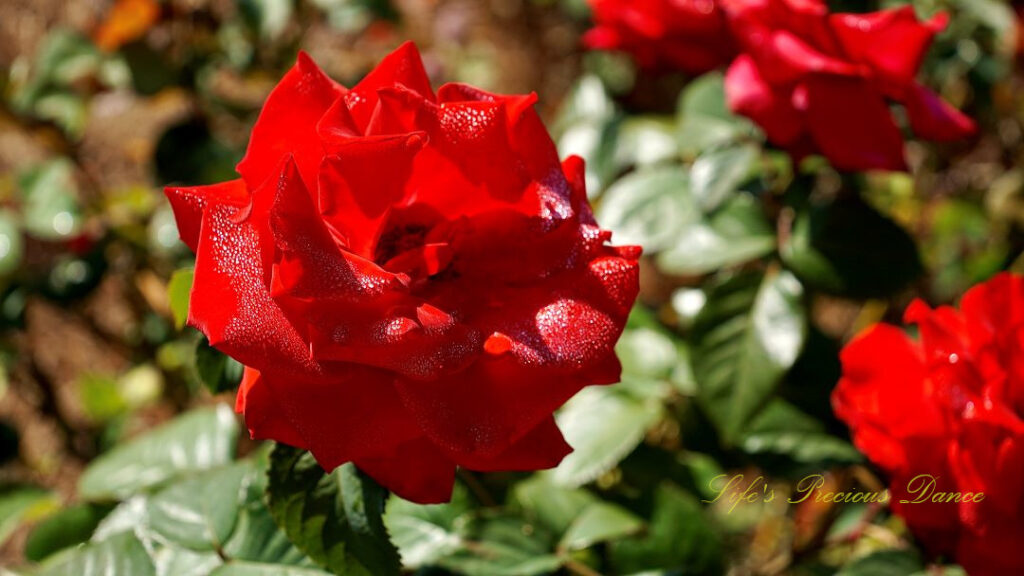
x=103, y=102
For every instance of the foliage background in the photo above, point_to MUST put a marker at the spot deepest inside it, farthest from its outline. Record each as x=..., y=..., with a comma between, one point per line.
x=755, y=272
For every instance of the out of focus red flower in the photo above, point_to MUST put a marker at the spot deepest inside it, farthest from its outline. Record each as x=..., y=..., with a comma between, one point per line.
x=688, y=35
x=412, y=280
x=949, y=404
x=823, y=83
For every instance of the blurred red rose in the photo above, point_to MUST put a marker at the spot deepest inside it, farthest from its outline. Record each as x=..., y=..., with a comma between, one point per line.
x=687, y=35
x=949, y=404
x=822, y=83
x=413, y=281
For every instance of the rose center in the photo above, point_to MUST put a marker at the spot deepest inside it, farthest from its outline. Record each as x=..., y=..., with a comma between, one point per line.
x=398, y=240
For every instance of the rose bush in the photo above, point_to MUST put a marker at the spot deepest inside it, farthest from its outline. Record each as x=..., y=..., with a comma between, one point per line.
x=949, y=404
x=413, y=281
x=823, y=83
x=688, y=35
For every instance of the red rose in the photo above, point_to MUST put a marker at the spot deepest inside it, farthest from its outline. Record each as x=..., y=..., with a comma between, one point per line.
x=822, y=83
x=688, y=35
x=412, y=280
x=951, y=405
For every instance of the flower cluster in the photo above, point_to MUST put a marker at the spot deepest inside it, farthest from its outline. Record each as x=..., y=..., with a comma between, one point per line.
x=688, y=35
x=414, y=281
x=949, y=404
x=815, y=82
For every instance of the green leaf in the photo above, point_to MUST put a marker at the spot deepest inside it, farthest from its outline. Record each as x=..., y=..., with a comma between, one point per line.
x=257, y=538
x=884, y=563
x=647, y=352
x=645, y=140
x=172, y=561
x=66, y=528
x=603, y=425
x=334, y=518
x=648, y=207
x=678, y=538
x=547, y=503
x=199, y=513
x=588, y=100
x=11, y=243
x=179, y=291
x=746, y=337
x=703, y=119
x=962, y=248
x=705, y=96
x=594, y=141
x=19, y=503
x=65, y=58
x=216, y=370
x=502, y=545
x=616, y=70
x=105, y=399
x=426, y=533
x=702, y=470
x=354, y=16
x=251, y=569
x=600, y=522
x=718, y=173
x=120, y=554
x=994, y=14
x=579, y=516
x=656, y=209
x=193, y=526
x=128, y=516
x=588, y=126
x=737, y=232
x=847, y=247
x=132, y=517
x=50, y=208
x=269, y=17
x=784, y=430
x=65, y=109
x=199, y=440
x=948, y=570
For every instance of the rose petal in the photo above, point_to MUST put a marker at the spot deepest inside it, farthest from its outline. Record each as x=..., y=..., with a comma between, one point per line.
x=932, y=118
x=893, y=42
x=851, y=124
x=346, y=413
x=418, y=472
x=262, y=417
x=287, y=125
x=403, y=67
x=356, y=196
x=872, y=397
x=188, y=205
x=541, y=448
x=231, y=300
x=748, y=94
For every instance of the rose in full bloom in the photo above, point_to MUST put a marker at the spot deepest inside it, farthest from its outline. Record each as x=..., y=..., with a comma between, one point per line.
x=823, y=83
x=413, y=280
x=687, y=35
x=950, y=404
